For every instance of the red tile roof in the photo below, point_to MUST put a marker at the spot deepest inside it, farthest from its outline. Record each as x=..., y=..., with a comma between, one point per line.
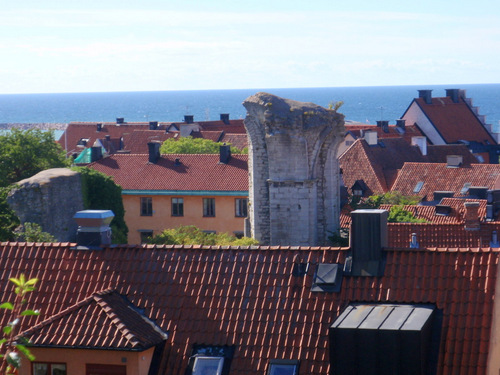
x=137, y=141
x=88, y=130
x=394, y=132
x=248, y=297
x=454, y=121
x=114, y=323
x=439, y=177
x=195, y=172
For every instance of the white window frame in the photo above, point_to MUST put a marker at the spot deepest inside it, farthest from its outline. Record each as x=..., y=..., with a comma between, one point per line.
x=198, y=364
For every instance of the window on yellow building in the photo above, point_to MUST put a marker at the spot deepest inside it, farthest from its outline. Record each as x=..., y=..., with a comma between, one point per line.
x=241, y=207
x=177, y=206
x=146, y=206
x=209, y=207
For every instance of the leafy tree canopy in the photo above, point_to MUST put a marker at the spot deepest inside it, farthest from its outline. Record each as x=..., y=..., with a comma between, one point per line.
x=391, y=197
x=398, y=214
x=24, y=153
x=34, y=233
x=191, y=235
x=190, y=145
x=8, y=219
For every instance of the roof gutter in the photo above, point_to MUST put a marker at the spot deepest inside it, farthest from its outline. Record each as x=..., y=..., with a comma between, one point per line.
x=217, y=193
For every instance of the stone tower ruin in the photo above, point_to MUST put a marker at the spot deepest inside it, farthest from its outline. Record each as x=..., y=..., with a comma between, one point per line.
x=293, y=170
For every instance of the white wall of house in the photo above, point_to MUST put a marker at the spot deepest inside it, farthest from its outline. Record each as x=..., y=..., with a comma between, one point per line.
x=415, y=115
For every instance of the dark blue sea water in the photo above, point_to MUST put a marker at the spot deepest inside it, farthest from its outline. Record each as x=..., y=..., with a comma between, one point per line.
x=363, y=104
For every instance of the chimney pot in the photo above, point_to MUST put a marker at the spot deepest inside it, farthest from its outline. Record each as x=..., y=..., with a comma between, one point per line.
x=421, y=142
x=401, y=123
x=453, y=94
x=99, y=127
x=472, y=216
x=188, y=119
x=225, y=153
x=120, y=120
x=426, y=95
x=413, y=241
x=93, y=227
x=224, y=117
x=153, y=125
x=154, y=152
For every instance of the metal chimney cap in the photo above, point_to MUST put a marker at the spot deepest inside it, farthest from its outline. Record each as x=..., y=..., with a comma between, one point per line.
x=94, y=218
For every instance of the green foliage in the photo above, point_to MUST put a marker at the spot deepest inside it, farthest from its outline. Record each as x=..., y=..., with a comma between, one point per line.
x=24, y=153
x=398, y=214
x=101, y=193
x=391, y=197
x=11, y=345
x=8, y=219
x=335, y=105
x=190, y=145
x=191, y=235
x=340, y=239
x=34, y=233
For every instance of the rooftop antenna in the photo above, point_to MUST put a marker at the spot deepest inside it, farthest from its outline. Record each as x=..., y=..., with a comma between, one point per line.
x=381, y=113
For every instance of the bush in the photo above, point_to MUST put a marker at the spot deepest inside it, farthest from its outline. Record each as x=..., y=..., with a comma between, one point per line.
x=190, y=145
x=191, y=235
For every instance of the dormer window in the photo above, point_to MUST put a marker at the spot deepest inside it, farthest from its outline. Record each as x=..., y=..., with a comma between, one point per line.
x=359, y=188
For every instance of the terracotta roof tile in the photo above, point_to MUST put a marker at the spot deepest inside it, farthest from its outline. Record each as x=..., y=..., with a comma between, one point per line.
x=195, y=172
x=454, y=121
x=439, y=177
x=250, y=299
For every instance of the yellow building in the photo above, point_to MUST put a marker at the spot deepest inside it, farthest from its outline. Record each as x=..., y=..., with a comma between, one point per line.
x=209, y=191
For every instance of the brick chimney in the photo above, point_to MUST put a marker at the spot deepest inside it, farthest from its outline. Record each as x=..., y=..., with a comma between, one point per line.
x=224, y=117
x=472, y=216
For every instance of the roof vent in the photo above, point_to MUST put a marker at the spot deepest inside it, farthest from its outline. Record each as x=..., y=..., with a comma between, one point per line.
x=224, y=117
x=453, y=94
x=426, y=95
x=95, y=153
x=93, y=227
x=154, y=152
x=454, y=161
x=478, y=192
x=368, y=238
x=413, y=241
x=120, y=120
x=328, y=278
x=188, y=119
x=421, y=142
x=153, y=125
x=401, y=124
x=438, y=195
x=442, y=210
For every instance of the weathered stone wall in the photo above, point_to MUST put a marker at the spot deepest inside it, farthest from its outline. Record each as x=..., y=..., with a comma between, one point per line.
x=50, y=198
x=294, y=173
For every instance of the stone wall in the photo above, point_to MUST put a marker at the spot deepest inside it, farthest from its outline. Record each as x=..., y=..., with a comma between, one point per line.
x=50, y=198
x=293, y=170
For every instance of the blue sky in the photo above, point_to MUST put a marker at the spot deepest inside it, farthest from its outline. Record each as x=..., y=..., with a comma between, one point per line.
x=111, y=45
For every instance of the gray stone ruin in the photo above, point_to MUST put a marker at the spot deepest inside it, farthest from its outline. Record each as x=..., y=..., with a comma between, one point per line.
x=294, y=179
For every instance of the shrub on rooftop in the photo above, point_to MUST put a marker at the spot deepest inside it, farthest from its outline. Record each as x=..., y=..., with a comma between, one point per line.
x=190, y=145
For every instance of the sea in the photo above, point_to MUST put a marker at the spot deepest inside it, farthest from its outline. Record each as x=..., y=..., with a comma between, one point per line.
x=360, y=104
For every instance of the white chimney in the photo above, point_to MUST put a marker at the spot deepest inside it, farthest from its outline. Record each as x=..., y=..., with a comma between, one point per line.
x=421, y=142
x=370, y=137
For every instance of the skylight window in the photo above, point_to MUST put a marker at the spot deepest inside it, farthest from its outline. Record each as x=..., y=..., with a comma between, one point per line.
x=465, y=188
x=283, y=367
x=418, y=187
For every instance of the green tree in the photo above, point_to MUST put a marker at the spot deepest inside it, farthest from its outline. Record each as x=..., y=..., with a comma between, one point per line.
x=11, y=345
x=24, y=153
x=8, y=219
x=190, y=145
x=101, y=193
x=34, y=233
x=398, y=214
x=191, y=235
x=391, y=197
